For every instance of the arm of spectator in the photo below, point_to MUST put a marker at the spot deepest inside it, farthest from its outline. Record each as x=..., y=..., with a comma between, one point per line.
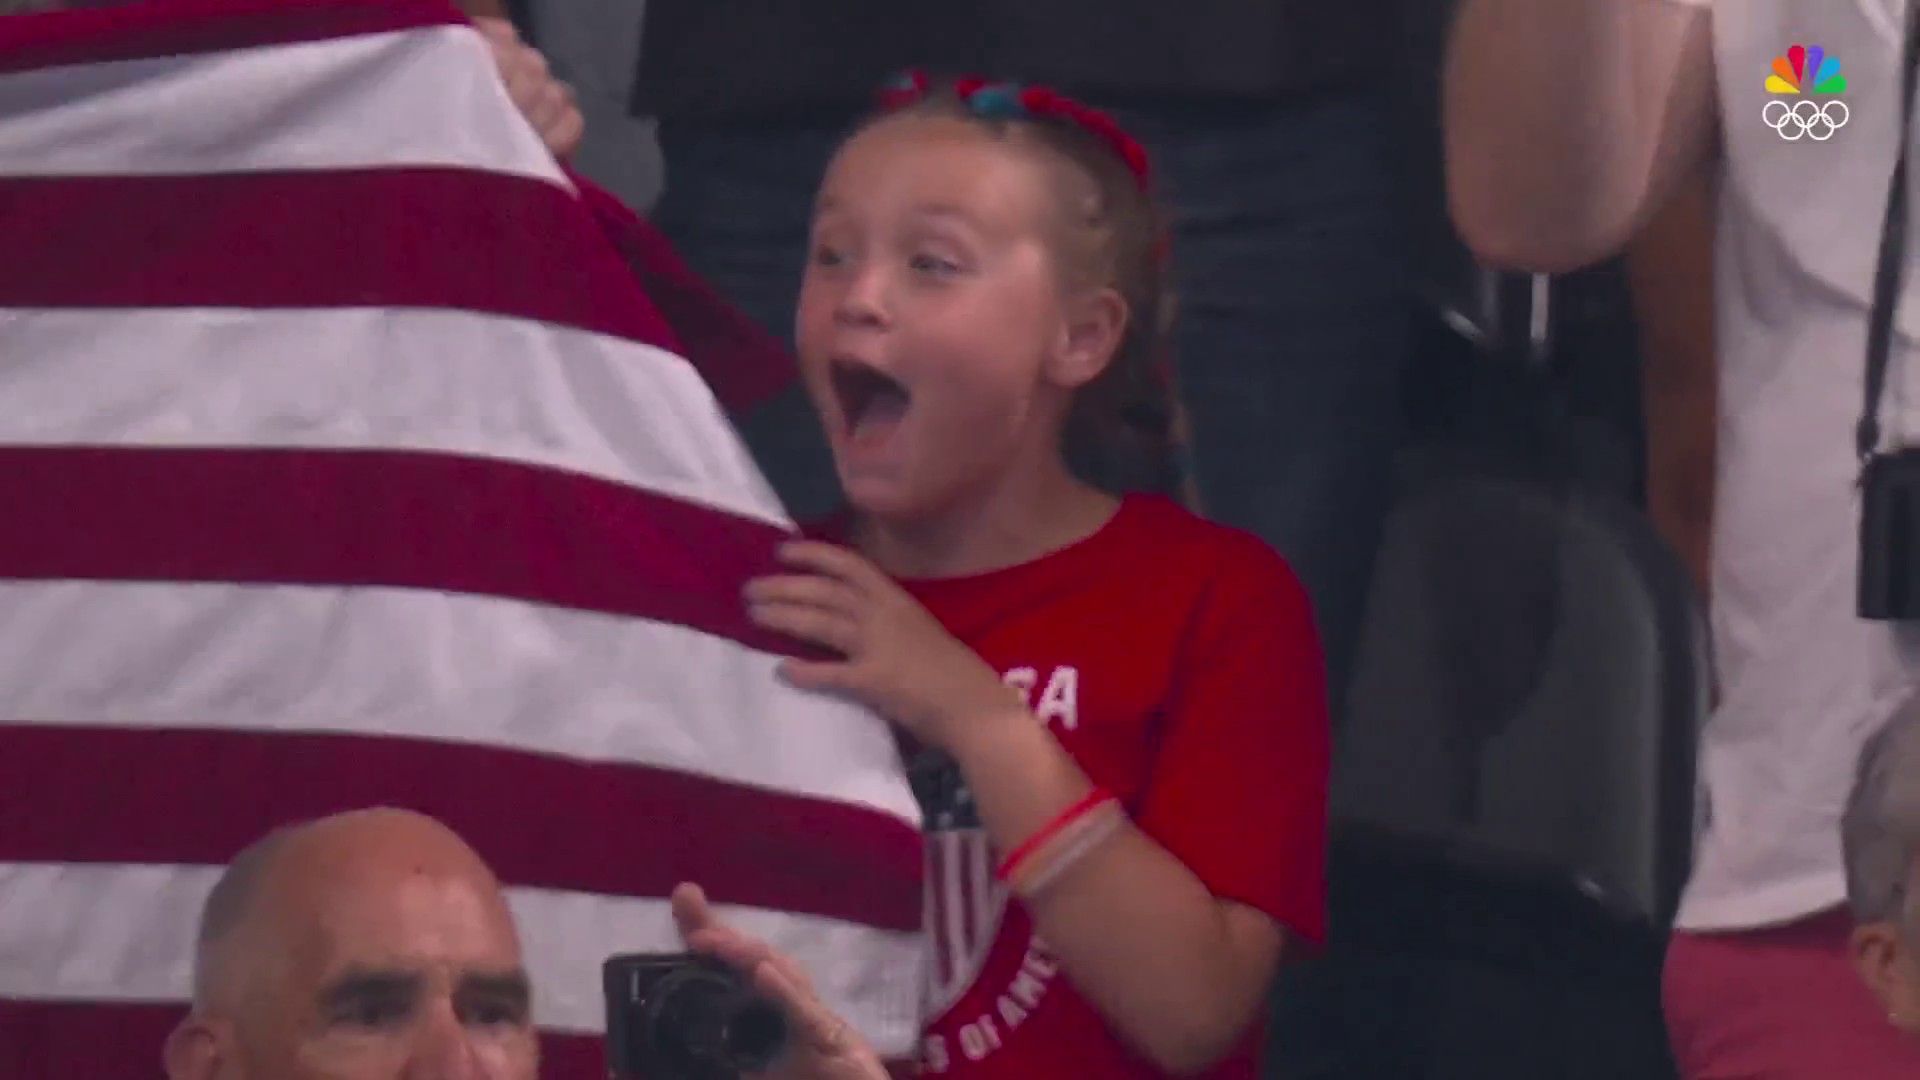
x=1569, y=123
x=1670, y=275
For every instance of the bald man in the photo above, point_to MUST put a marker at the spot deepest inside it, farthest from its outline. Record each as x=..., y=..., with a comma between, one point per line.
x=376, y=945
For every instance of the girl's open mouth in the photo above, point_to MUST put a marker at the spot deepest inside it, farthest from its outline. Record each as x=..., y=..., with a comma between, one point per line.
x=869, y=398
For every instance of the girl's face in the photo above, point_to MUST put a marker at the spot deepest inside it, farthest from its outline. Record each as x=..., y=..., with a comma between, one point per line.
x=936, y=335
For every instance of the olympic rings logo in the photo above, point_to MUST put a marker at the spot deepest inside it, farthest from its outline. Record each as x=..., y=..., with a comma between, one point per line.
x=1805, y=118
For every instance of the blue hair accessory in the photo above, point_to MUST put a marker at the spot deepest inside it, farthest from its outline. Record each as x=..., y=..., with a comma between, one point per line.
x=997, y=101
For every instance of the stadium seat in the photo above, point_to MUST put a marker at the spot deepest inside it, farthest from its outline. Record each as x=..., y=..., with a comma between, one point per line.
x=1513, y=789
x=1513, y=781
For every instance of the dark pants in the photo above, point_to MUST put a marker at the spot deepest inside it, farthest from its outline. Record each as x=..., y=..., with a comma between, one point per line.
x=1293, y=327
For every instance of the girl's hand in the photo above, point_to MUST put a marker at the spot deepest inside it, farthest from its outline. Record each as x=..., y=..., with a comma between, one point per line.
x=821, y=1046
x=899, y=660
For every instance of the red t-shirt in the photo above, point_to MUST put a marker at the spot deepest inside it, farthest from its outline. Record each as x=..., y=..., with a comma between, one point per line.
x=1177, y=661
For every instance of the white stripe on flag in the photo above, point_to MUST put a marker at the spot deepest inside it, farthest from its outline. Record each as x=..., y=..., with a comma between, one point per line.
x=312, y=105
x=391, y=378
x=125, y=934
x=981, y=903
x=398, y=662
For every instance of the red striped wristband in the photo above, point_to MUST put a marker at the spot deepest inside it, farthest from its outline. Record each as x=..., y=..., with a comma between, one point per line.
x=1094, y=800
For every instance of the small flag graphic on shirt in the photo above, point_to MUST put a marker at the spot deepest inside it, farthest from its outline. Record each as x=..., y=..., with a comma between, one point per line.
x=965, y=900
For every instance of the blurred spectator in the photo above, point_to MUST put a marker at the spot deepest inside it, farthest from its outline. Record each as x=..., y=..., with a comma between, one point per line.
x=1880, y=833
x=1569, y=126
x=1268, y=139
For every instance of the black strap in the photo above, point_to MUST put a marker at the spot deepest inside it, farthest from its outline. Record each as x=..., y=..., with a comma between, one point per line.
x=1893, y=244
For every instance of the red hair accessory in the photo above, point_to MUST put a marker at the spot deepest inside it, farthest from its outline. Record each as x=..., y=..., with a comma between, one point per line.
x=1046, y=101
x=1007, y=101
x=904, y=90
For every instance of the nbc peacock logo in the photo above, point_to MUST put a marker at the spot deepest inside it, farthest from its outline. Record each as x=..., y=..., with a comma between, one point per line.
x=1804, y=91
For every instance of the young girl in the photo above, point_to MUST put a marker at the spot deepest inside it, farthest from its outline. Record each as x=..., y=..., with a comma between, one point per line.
x=1117, y=709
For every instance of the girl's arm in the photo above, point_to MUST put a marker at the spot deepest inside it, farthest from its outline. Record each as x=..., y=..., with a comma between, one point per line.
x=1172, y=927
x=1176, y=970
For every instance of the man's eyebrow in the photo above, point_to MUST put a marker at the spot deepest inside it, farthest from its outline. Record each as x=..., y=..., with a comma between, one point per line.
x=359, y=984
x=509, y=986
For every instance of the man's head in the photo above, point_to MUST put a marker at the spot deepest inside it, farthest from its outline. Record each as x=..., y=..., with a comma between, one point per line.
x=374, y=945
x=1880, y=834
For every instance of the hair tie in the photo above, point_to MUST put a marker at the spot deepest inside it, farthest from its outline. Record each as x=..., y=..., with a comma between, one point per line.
x=1003, y=100
x=903, y=89
x=997, y=101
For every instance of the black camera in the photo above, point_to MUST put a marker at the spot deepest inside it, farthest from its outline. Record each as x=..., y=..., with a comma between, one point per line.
x=1890, y=537
x=677, y=1016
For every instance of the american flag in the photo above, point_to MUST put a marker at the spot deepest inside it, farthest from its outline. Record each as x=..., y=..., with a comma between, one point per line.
x=344, y=461
x=965, y=900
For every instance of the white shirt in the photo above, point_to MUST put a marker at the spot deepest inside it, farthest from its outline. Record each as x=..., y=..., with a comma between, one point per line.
x=1804, y=681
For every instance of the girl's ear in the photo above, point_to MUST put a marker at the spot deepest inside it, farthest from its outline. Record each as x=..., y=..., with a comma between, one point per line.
x=1096, y=322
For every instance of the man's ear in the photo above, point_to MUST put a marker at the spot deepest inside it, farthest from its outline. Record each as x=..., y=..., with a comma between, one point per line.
x=1095, y=325
x=1880, y=957
x=198, y=1049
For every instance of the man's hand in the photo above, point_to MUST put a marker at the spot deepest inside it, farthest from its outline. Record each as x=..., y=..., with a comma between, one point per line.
x=820, y=1045
x=546, y=102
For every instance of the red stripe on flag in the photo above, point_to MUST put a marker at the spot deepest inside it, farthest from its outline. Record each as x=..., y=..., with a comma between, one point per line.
x=412, y=238
x=156, y=28
x=613, y=829
x=385, y=519
x=41, y=1040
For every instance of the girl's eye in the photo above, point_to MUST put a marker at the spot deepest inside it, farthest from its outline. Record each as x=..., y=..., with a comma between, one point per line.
x=826, y=256
x=933, y=264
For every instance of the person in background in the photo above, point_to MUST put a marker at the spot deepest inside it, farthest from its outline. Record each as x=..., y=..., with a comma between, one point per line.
x=1569, y=125
x=987, y=272
x=1270, y=142
x=1880, y=833
x=377, y=945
